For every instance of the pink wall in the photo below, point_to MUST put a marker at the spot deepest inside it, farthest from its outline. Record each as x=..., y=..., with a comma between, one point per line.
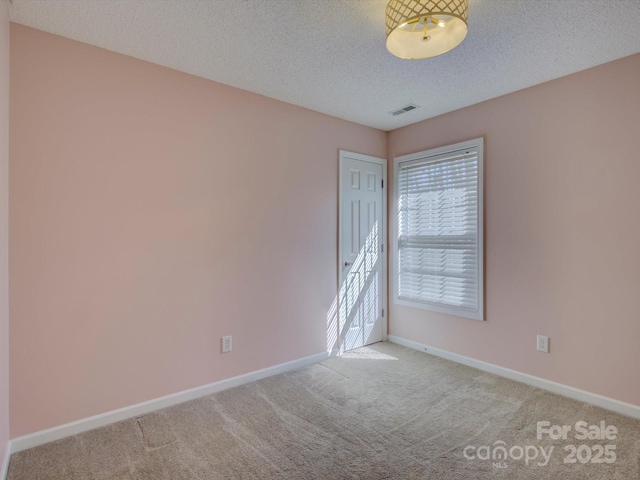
x=153, y=212
x=561, y=230
x=4, y=230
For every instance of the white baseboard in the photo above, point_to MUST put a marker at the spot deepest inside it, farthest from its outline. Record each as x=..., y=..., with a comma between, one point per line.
x=51, y=434
x=564, y=390
x=5, y=461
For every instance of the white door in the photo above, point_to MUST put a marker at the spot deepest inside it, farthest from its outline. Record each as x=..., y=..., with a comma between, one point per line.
x=362, y=261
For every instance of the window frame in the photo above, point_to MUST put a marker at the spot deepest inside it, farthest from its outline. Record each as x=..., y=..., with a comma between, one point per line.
x=426, y=154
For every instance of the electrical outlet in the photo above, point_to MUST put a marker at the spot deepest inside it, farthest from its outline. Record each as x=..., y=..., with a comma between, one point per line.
x=226, y=344
x=543, y=344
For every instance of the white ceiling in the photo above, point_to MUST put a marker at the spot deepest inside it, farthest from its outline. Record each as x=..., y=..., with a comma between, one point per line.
x=330, y=56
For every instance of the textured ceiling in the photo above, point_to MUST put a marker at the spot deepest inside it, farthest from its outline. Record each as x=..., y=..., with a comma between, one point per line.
x=330, y=56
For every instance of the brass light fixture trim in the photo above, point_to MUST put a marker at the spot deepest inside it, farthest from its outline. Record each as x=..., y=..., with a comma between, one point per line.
x=419, y=29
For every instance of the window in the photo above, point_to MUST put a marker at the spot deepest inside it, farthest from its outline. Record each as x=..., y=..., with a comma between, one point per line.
x=438, y=241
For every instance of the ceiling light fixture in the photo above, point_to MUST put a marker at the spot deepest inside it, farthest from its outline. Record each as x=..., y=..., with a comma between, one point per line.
x=419, y=29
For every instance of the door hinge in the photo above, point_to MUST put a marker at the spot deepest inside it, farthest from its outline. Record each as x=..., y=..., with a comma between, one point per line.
x=382, y=181
x=382, y=247
x=383, y=312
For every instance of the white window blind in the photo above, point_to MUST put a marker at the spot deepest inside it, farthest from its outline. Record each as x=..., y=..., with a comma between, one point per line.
x=439, y=230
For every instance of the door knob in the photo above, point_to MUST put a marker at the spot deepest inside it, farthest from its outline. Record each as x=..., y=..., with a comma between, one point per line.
x=348, y=264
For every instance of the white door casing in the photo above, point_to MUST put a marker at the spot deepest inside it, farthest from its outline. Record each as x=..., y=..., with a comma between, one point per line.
x=362, y=283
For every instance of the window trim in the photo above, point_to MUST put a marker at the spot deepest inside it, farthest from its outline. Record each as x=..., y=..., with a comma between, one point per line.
x=397, y=161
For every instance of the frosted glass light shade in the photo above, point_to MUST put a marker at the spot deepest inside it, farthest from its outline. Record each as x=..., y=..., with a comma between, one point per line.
x=419, y=29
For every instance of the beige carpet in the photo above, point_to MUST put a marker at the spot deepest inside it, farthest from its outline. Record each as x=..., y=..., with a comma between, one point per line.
x=382, y=412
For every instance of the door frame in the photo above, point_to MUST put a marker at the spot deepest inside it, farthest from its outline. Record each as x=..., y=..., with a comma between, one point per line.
x=383, y=235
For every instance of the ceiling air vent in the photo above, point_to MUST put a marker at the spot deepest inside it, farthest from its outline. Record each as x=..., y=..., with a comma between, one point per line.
x=405, y=109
